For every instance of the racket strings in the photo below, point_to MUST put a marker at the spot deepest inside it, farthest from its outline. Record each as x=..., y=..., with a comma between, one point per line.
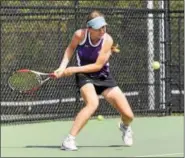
x=24, y=81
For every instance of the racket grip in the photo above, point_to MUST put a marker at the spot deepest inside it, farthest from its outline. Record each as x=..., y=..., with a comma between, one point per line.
x=52, y=75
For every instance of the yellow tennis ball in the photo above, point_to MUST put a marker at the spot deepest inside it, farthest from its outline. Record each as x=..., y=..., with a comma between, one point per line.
x=100, y=118
x=155, y=65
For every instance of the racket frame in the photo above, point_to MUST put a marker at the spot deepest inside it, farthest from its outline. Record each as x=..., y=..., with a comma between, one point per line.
x=39, y=79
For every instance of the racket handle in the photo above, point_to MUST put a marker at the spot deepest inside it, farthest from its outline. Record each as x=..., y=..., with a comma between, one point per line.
x=52, y=75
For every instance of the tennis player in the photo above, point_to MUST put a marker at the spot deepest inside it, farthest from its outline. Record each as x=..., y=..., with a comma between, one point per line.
x=93, y=47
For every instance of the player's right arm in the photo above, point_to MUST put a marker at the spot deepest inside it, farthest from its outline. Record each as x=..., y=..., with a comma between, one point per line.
x=76, y=39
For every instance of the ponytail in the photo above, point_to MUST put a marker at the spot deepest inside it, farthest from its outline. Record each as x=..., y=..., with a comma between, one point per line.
x=115, y=48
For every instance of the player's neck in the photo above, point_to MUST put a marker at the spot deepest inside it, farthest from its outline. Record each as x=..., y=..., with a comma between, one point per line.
x=94, y=40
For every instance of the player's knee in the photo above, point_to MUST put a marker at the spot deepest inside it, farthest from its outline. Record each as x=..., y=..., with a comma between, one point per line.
x=93, y=105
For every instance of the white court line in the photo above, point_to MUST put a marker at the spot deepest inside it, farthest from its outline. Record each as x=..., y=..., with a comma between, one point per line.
x=170, y=154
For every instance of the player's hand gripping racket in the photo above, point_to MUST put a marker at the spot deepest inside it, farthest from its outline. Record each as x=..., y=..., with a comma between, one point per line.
x=26, y=81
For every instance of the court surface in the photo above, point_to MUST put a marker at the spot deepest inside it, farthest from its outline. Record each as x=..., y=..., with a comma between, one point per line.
x=153, y=137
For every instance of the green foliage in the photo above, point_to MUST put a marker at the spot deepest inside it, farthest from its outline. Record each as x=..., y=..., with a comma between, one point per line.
x=177, y=5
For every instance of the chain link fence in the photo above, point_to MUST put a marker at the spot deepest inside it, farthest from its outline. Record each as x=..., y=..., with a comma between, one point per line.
x=34, y=35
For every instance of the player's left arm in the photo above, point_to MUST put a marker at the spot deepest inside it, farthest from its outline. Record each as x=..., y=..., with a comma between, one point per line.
x=103, y=57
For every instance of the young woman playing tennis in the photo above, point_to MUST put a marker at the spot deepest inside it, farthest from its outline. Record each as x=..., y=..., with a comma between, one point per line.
x=93, y=47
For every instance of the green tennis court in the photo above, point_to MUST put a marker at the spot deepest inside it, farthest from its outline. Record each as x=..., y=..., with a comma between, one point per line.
x=153, y=136
x=35, y=35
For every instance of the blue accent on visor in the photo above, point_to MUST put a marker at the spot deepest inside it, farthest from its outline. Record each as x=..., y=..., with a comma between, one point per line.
x=97, y=23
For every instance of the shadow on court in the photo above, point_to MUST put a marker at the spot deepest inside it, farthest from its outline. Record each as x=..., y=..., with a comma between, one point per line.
x=88, y=146
x=58, y=147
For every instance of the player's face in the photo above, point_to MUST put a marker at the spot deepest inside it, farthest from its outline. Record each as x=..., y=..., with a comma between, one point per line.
x=98, y=33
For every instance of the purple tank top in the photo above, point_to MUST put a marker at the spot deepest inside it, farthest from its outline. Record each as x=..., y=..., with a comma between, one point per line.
x=87, y=53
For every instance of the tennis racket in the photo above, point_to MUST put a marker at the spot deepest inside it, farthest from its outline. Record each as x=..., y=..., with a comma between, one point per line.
x=26, y=81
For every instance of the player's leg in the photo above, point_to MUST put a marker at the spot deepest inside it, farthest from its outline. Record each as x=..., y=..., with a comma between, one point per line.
x=91, y=104
x=117, y=98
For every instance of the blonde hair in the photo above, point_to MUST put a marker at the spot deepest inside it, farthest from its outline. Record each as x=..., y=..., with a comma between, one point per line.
x=95, y=14
x=115, y=48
